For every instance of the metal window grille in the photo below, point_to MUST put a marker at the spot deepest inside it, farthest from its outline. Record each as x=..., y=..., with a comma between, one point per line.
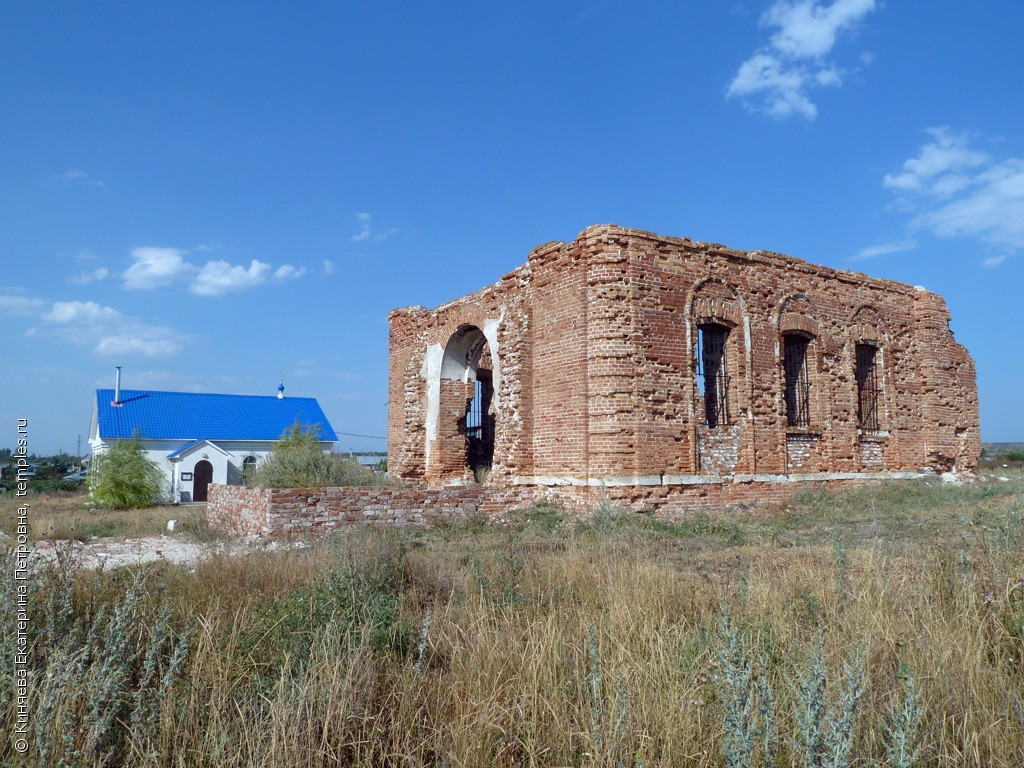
x=866, y=375
x=713, y=374
x=474, y=413
x=480, y=424
x=798, y=381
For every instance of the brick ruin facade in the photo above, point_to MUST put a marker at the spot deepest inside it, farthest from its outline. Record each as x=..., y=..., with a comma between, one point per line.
x=660, y=371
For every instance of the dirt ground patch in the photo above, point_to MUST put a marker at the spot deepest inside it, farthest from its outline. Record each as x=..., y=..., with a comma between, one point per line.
x=106, y=553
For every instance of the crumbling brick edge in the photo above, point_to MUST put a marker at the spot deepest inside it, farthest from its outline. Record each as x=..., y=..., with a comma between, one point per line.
x=281, y=513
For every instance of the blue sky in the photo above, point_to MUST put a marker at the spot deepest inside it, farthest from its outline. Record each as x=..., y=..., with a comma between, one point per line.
x=209, y=194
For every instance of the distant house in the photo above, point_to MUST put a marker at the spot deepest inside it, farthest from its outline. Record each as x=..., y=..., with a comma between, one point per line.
x=199, y=438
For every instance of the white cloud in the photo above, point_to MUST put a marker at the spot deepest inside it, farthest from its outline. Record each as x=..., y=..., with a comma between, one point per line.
x=159, y=267
x=993, y=261
x=287, y=271
x=883, y=249
x=783, y=88
x=220, y=277
x=991, y=207
x=365, y=222
x=776, y=79
x=939, y=165
x=75, y=175
x=807, y=29
x=156, y=267
x=828, y=77
x=128, y=344
x=106, y=330
x=93, y=276
x=366, y=231
x=957, y=190
x=20, y=306
x=328, y=267
x=64, y=312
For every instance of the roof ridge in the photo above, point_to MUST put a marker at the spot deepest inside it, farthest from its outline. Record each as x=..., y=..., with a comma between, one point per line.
x=207, y=394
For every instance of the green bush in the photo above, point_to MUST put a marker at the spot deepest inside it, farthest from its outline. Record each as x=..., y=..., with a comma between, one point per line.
x=123, y=477
x=298, y=460
x=353, y=607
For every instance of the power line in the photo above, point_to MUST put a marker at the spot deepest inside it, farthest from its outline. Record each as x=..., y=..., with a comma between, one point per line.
x=352, y=434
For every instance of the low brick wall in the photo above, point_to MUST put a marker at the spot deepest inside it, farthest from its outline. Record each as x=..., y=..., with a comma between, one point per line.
x=239, y=510
x=288, y=512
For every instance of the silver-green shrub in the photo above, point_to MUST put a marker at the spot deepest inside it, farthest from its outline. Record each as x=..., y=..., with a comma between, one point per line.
x=824, y=734
x=99, y=687
x=750, y=735
x=298, y=460
x=903, y=723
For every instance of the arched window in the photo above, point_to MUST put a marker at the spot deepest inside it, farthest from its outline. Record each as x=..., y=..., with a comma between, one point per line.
x=248, y=465
x=797, y=379
x=867, y=377
x=713, y=373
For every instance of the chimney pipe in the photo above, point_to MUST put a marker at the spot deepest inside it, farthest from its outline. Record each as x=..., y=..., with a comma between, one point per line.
x=117, y=387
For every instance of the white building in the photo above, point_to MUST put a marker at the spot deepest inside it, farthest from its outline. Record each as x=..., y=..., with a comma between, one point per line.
x=200, y=438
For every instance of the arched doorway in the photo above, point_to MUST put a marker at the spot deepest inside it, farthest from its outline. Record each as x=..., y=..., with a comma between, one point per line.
x=464, y=447
x=202, y=476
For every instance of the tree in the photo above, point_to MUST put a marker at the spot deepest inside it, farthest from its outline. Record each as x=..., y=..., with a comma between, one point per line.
x=123, y=476
x=298, y=460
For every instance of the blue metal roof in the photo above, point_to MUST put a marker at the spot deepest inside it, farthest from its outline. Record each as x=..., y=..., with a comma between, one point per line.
x=198, y=416
x=185, y=447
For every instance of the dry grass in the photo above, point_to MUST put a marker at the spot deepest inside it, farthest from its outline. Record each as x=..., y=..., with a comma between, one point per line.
x=67, y=516
x=546, y=642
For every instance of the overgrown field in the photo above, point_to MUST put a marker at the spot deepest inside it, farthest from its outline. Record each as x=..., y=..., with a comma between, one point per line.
x=55, y=516
x=882, y=626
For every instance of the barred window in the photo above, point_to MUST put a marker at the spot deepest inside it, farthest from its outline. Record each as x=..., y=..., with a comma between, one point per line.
x=475, y=412
x=713, y=374
x=866, y=374
x=480, y=423
x=798, y=380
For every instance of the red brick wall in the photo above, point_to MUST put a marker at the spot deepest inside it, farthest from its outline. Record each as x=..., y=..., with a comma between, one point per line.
x=595, y=341
x=238, y=510
x=288, y=512
x=557, y=394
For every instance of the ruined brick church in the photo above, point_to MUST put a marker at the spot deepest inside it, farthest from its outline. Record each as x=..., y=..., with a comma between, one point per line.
x=659, y=371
